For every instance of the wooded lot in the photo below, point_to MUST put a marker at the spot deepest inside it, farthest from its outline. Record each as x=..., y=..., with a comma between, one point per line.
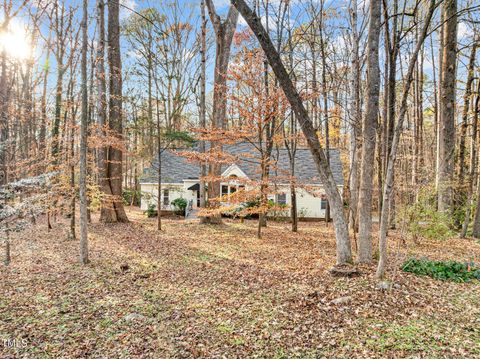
x=205, y=178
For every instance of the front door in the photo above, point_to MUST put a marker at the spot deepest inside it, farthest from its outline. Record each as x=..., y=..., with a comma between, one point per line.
x=198, y=198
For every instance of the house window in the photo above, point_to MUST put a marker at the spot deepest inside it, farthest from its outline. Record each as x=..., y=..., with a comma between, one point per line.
x=166, y=197
x=224, y=190
x=281, y=199
x=323, y=204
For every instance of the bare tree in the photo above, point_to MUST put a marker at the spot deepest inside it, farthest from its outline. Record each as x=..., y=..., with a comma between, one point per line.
x=224, y=31
x=62, y=28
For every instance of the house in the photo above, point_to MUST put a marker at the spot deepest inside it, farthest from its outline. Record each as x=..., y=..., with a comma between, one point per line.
x=180, y=178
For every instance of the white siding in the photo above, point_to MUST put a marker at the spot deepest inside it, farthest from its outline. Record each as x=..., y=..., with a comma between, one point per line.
x=308, y=205
x=149, y=194
x=308, y=202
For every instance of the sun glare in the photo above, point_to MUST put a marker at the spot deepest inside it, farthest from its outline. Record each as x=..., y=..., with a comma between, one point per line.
x=15, y=42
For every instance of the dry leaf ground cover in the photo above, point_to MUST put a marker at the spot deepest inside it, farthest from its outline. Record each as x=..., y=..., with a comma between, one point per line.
x=218, y=291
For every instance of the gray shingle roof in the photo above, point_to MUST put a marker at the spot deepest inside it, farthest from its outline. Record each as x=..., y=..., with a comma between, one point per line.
x=175, y=168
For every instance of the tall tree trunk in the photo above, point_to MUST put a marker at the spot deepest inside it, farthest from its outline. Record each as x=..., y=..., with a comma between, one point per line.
x=447, y=108
x=43, y=125
x=203, y=122
x=7, y=259
x=464, y=127
x=83, y=143
x=439, y=96
x=344, y=254
x=474, y=164
x=356, y=134
x=224, y=31
x=159, y=174
x=325, y=99
x=369, y=136
x=4, y=108
x=115, y=212
x=72, y=234
x=102, y=156
x=58, y=111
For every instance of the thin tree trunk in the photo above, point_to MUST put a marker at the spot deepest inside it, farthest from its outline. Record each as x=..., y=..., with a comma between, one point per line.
x=463, y=134
x=474, y=164
x=43, y=125
x=83, y=144
x=72, y=234
x=8, y=258
x=439, y=96
x=356, y=135
x=203, y=122
x=325, y=101
x=4, y=109
x=159, y=189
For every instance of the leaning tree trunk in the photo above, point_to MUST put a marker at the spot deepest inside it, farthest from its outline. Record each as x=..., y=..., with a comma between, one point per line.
x=388, y=185
x=369, y=136
x=344, y=254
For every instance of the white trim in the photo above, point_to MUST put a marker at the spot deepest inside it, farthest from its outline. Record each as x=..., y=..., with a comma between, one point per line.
x=278, y=184
x=234, y=168
x=163, y=184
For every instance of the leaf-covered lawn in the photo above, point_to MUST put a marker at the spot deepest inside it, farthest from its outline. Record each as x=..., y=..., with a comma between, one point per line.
x=213, y=291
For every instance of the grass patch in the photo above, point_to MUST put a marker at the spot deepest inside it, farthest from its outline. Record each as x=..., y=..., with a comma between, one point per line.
x=414, y=336
x=443, y=270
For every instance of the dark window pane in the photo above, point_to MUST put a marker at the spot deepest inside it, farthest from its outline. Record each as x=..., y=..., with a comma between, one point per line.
x=166, y=199
x=224, y=190
x=323, y=204
x=281, y=198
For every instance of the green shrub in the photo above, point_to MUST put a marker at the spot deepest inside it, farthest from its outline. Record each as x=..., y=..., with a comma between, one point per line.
x=180, y=205
x=131, y=197
x=444, y=270
x=243, y=208
x=422, y=219
x=151, y=211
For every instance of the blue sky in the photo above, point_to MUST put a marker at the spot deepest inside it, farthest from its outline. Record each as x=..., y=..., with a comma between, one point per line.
x=337, y=40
